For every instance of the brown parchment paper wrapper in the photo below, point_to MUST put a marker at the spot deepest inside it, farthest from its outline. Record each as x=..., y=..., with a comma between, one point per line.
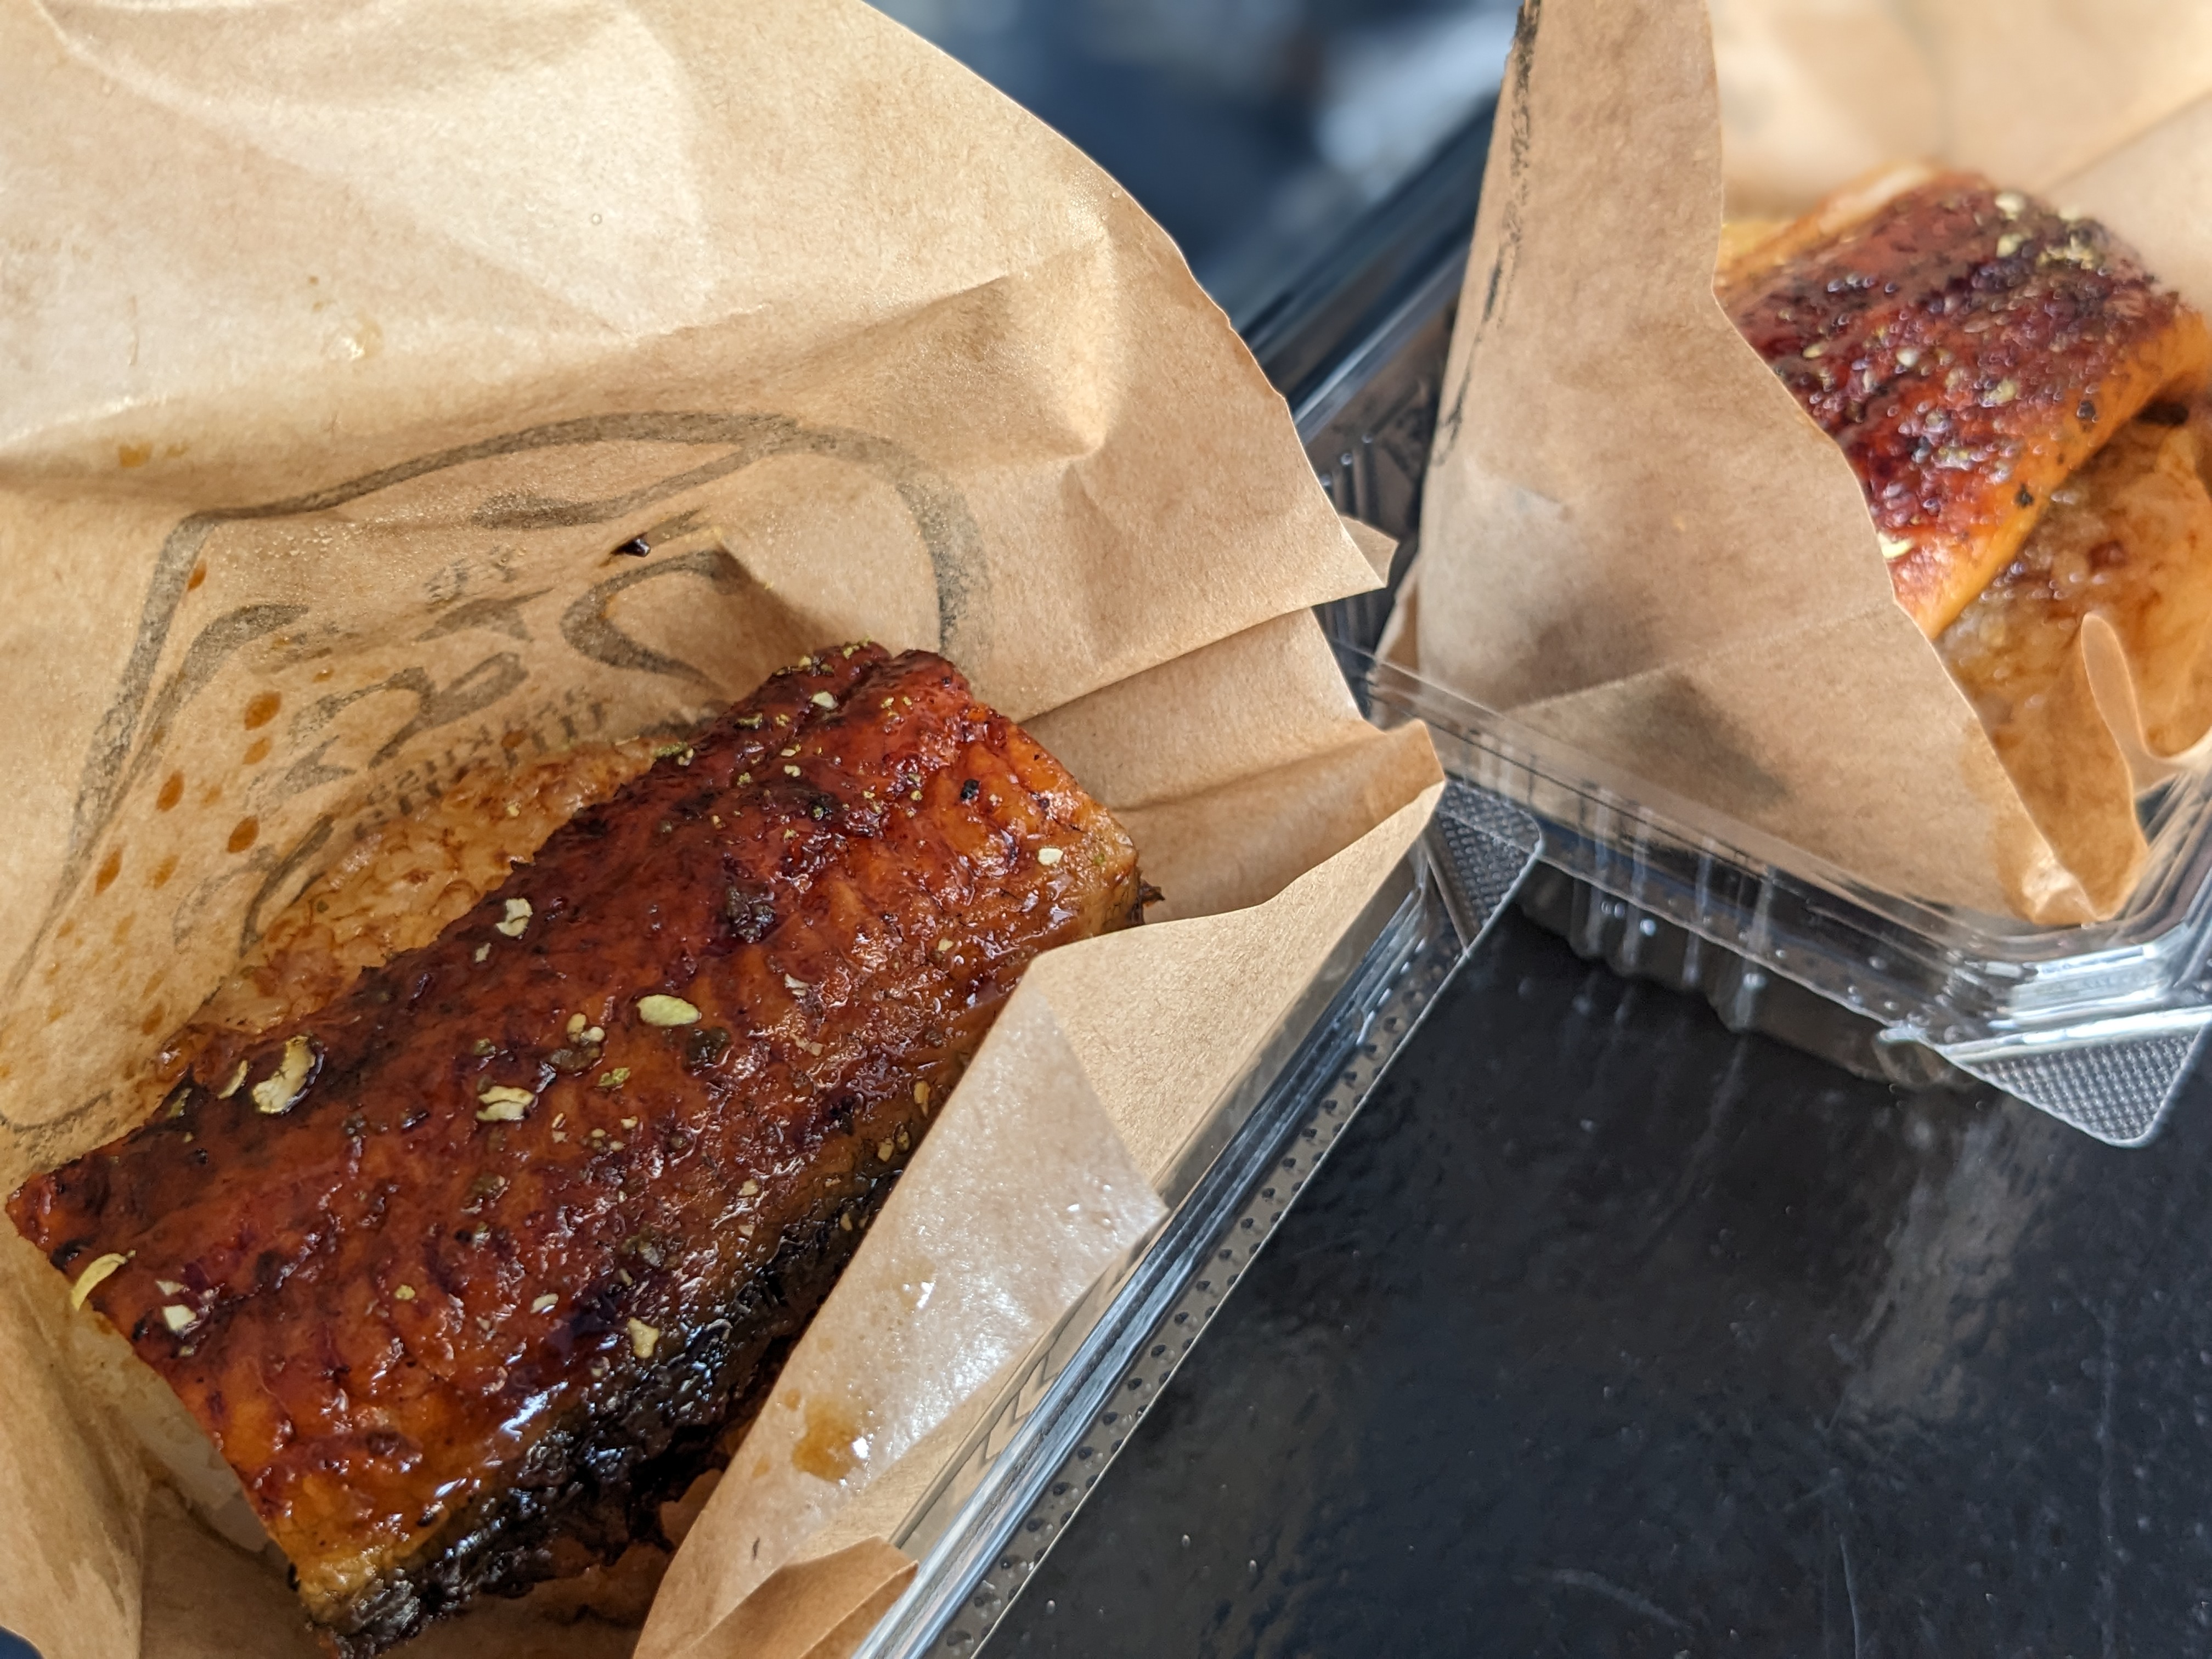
x=1632, y=537
x=352, y=359
x=1814, y=93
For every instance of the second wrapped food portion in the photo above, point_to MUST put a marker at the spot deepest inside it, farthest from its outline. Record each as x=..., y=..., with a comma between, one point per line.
x=2020, y=400
x=469, y=1272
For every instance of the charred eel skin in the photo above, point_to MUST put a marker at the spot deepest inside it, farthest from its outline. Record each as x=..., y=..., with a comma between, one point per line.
x=474, y=1266
x=1969, y=348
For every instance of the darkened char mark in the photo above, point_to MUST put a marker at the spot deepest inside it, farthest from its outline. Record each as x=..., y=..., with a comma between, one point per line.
x=1967, y=347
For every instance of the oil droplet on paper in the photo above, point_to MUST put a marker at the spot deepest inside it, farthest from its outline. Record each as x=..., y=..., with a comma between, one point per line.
x=366, y=339
x=835, y=1444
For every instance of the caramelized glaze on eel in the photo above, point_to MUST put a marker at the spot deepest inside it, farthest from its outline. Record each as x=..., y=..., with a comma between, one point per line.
x=1968, y=348
x=468, y=1272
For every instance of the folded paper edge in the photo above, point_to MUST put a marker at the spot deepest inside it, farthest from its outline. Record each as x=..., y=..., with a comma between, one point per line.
x=1385, y=843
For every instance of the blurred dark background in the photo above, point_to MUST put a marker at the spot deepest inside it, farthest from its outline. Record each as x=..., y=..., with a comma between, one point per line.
x=1256, y=131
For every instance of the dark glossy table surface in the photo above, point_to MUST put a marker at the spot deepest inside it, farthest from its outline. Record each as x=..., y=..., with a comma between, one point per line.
x=1607, y=1332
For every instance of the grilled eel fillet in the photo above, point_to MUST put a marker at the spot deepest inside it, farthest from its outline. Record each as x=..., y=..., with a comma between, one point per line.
x=473, y=1265
x=1968, y=348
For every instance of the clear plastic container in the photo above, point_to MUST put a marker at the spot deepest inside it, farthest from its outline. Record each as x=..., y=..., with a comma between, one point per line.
x=1004, y=1500
x=2097, y=1025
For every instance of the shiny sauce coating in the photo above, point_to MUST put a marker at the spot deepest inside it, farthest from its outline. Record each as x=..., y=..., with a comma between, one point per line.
x=1968, y=348
x=442, y=1268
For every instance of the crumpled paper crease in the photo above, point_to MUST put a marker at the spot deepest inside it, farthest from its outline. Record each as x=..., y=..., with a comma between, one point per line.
x=1634, y=540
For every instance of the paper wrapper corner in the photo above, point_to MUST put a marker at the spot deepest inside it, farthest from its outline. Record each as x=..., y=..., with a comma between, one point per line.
x=1635, y=541
x=351, y=359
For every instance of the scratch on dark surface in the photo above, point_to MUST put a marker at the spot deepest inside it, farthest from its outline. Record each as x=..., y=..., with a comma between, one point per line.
x=1850, y=1596
x=1598, y=1585
x=2108, y=1577
x=1705, y=1154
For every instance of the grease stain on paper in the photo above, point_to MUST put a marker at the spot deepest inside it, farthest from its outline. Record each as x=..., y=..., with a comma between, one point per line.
x=835, y=1442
